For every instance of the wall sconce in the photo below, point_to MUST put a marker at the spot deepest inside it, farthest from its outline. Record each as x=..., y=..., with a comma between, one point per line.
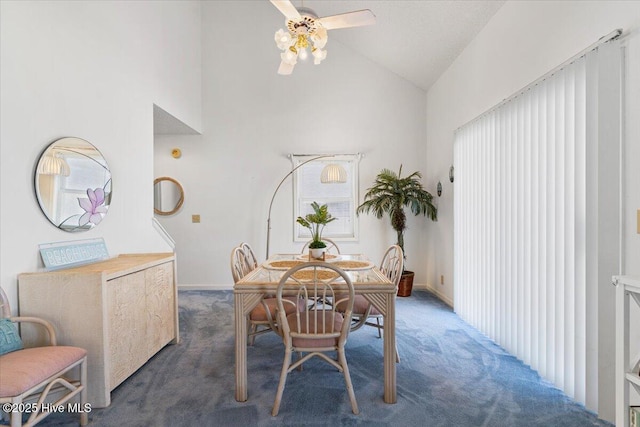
x=176, y=153
x=439, y=188
x=451, y=173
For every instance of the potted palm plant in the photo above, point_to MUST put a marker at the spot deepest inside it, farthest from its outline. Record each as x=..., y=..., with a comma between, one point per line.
x=316, y=222
x=389, y=195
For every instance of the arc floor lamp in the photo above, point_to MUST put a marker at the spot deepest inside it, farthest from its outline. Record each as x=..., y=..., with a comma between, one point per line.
x=332, y=173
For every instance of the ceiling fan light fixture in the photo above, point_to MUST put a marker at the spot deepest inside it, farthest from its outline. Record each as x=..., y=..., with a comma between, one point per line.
x=294, y=44
x=306, y=30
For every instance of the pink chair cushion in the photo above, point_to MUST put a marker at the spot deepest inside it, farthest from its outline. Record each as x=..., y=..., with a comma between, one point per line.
x=311, y=342
x=360, y=305
x=23, y=369
x=259, y=314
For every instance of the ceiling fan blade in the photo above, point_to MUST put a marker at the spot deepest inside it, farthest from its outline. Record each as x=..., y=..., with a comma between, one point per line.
x=350, y=19
x=287, y=9
x=285, y=69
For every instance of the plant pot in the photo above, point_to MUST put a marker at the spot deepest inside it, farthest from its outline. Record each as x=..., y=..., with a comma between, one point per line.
x=406, y=284
x=318, y=253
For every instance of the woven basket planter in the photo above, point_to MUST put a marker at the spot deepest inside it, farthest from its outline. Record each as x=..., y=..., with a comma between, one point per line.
x=406, y=284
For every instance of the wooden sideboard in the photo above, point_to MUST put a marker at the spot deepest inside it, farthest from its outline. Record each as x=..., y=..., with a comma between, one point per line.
x=122, y=311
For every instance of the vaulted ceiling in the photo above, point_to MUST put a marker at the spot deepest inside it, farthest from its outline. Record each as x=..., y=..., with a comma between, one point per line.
x=416, y=39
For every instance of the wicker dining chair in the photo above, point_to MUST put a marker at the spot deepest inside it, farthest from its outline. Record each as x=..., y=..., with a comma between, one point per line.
x=239, y=267
x=318, y=329
x=364, y=312
x=249, y=256
x=261, y=319
x=32, y=375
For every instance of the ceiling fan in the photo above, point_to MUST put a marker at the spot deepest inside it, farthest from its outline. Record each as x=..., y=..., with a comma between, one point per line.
x=305, y=29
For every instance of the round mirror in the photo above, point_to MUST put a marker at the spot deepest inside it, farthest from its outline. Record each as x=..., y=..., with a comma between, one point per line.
x=168, y=196
x=73, y=184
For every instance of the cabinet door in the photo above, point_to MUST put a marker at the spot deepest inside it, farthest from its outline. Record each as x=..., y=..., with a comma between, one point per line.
x=160, y=306
x=127, y=326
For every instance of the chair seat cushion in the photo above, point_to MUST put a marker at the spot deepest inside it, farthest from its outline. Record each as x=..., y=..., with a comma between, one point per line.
x=313, y=321
x=360, y=305
x=23, y=369
x=259, y=314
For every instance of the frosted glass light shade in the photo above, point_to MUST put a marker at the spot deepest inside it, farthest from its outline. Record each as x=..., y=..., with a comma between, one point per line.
x=319, y=55
x=333, y=174
x=283, y=39
x=289, y=57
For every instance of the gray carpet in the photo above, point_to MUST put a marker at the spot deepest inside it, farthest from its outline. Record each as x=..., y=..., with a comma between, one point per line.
x=450, y=375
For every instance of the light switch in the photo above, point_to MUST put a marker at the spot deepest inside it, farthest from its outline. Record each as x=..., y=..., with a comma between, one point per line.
x=195, y=218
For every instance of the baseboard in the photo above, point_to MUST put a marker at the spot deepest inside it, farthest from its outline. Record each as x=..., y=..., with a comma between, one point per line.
x=434, y=291
x=209, y=287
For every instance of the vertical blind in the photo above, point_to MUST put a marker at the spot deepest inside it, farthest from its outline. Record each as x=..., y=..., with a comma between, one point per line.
x=520, y=228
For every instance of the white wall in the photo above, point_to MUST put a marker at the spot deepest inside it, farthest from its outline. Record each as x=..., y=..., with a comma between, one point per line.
x=254, y=117
x=523, y=41
x=91, y=70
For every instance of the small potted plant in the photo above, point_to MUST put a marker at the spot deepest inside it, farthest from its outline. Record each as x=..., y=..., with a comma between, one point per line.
x=389, y=195
x=316, y=222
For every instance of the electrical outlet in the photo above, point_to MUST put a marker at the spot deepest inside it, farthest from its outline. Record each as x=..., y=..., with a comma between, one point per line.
x=195, y=218
x=442, y=279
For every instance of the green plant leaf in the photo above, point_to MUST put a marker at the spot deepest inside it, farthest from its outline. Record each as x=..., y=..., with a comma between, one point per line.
x=316, y=221
x=390, y=194
x=317, y=245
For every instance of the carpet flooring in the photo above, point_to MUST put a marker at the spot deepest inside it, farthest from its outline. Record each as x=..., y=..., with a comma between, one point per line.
x=449, y=375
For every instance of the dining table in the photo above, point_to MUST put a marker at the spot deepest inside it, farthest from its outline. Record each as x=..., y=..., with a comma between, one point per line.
x=367, y=280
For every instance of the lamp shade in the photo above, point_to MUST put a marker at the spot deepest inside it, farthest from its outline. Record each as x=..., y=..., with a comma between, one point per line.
x=53, y=165
x=333, y=174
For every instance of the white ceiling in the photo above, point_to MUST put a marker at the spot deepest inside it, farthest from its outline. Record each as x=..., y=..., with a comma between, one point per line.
x=416, y=39
x=165, y=124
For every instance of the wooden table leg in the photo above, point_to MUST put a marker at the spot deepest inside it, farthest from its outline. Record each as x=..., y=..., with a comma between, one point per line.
x=241, y=348
x=390, y=350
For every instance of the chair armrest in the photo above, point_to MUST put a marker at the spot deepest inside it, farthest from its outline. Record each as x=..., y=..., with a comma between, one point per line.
x=47, y=325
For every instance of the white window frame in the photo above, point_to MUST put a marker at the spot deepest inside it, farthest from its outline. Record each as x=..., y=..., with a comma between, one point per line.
x=301, y=234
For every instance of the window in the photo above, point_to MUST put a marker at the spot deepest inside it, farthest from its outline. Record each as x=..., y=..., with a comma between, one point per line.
x=341, y=198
